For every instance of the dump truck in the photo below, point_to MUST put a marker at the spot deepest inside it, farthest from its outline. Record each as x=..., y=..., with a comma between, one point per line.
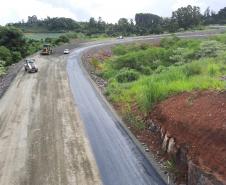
x=47, y=49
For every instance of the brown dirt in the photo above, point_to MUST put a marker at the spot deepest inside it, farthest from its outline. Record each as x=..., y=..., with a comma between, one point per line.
x=42, y=138
x=198, y=120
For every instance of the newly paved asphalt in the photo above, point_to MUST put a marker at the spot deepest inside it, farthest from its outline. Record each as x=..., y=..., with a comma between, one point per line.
x=119, y=160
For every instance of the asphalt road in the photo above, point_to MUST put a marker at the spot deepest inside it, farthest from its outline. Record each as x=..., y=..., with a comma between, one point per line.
x=119, y=160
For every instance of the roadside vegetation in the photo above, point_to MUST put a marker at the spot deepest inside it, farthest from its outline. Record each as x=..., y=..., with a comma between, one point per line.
x=14, y=45
x=143, y=74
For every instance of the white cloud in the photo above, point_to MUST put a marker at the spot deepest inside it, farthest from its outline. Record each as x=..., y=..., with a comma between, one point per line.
x=81, y=10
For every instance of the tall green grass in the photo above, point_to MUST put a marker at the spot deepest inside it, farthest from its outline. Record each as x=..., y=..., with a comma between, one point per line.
x=175, y=67
x=148, y=90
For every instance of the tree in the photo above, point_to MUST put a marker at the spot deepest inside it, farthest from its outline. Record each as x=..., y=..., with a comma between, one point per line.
x=221, y=16
x=101, y=25
x=187, y=17
x=148, y=23
x=92, y=27
x=13, y=39
x=123, y=26
x=32, y=19
x=207, y=18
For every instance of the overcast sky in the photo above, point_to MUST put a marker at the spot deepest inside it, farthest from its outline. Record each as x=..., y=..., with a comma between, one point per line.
x=82, y=10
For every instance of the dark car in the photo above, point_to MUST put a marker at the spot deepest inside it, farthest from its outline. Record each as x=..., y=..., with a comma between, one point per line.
x=30, y=66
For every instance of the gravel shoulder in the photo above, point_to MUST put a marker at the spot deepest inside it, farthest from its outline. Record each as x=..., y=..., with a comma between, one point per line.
x=42, y=139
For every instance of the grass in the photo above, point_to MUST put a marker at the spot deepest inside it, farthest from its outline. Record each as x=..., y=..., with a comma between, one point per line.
x=149, y=90
x=163, y=76
x=40, y=36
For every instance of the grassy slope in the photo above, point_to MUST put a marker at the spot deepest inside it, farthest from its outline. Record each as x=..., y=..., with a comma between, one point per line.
x=175, y=67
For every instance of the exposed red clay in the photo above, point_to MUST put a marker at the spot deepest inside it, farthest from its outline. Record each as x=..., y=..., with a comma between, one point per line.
x=197, y=119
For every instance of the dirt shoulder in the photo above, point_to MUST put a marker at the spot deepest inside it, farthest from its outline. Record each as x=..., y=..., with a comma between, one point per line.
x=42, y=139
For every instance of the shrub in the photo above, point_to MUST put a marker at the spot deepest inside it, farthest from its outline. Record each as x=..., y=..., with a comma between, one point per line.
x=113, y=90
x=119, y=50
x=61, y=39
x=126, y=75
x=5, y=55
x=146, y=70
x=72, y=35
x=64, y=38
x=210, y=48
x=169, y=41
x=181, y=55
x=192, y=69
x=49, y=40
x=16, y=56
x=2, y=63
x=135, y=60
x=96, y=64
x=160, y=69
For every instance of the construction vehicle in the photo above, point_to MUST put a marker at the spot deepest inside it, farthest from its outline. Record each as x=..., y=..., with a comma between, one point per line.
x=47, y=49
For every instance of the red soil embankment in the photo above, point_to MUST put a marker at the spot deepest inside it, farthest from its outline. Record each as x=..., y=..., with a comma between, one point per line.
x=197, y=119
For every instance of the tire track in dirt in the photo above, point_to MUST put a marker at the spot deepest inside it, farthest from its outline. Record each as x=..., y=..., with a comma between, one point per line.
x=42, y=140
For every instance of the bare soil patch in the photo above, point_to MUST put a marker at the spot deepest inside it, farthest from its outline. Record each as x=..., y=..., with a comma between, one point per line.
x=197, y=120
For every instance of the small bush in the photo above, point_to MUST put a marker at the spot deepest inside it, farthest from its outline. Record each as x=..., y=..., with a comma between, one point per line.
x=127, y=76
x=169, y=41
x=181, y=55
x=210, y=48
x=146, y=70
x=160, y=69
x=95, y=63
x=64, y=38
x=192, y=69
x=72, y=35
x=16, y=56
x=5, y=55
x=120, y=50
x=49, y=40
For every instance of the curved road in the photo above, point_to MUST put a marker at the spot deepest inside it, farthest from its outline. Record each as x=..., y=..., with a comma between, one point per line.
x=119, y=160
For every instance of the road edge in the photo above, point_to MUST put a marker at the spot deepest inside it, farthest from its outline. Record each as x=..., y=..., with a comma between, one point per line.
x=118, y=119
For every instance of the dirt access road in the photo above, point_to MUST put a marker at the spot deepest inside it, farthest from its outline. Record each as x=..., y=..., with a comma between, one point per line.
x=42, y=139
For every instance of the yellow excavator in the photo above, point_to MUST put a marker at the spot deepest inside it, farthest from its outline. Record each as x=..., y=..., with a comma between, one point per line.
x=47, y=49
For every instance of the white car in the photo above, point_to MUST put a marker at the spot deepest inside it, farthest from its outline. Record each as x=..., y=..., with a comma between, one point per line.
x=66, y=51
x=120, y=37
x=30, y=65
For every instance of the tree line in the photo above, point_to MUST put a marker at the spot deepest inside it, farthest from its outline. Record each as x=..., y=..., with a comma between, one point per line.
x=183, y=18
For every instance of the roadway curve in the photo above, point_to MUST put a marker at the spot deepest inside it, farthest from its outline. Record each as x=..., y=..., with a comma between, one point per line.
x=120, y=160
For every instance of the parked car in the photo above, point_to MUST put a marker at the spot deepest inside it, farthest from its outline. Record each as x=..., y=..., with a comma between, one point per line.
x=66, y=51
x=30, y=65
